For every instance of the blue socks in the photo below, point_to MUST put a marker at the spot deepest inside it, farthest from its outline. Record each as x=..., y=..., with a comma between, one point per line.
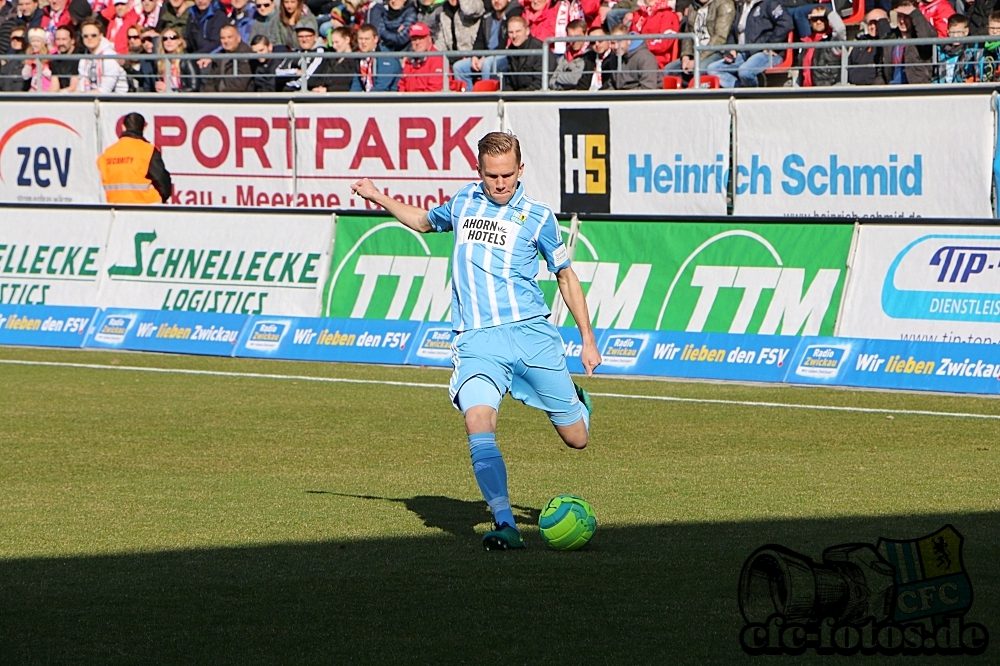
x=491, y=475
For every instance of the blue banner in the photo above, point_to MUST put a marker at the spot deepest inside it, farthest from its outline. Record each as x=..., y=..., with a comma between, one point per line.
x=167, y=331
x=897, y=364
x=432, y=346
x=45, y=325
x=759, y=358
x=315, y=339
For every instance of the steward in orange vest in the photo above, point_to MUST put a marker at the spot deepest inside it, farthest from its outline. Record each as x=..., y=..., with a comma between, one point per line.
x=132, y=169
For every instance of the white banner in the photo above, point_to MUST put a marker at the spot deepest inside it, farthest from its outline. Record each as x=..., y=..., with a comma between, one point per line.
x=51, y=257
x=940, y=284
x=210, y=262
x=865, y=156
x=625, y=157
x=247, y=155
x=47, y=153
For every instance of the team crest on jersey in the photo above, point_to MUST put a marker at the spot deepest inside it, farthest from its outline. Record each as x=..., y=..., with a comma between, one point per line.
x=520, y=218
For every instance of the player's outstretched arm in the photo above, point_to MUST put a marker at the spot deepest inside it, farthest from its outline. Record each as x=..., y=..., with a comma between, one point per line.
x=413, y=217
x=572, y=293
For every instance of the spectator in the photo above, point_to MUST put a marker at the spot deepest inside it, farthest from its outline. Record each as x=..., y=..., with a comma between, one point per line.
x=264, y=77
x=904, y=63
x=937, y=13
x=422, y=74
x=149, y=17
x=821, y=67
x=549, y=18
x=175, y=14
x=523, y=72
x=59, y=16
x=30, y=15
x=865, y=62
x=104, y=75
x=37, y=72
x=756, y=22
x=204, y=26
x=132, y=171
x=990, y=64
x=343, y=70
x=958, y=63
x=392, y=21
x=605, y=62
x=491, y=36
x=658, y=18
x=620, y=13
x=710, y=22
x=459, y=25
x=264, y=9
x=979, y=16
x=375, y=74
x=429, y=12
x=10, y=70
x=183, y=75
x=147, y=76
x=120, y=16
x=79, y=11
x=234, y=75
x=637, y=67
x=66, y=70
x=799, y=10
x=280, y=29
x=133, y=67
x=317, y=70
x=8, y=19
x=241, y=15
x=575, y=68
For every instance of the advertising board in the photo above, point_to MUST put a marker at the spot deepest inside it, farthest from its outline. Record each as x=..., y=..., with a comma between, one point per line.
x=625, y=157
x=835, y=157
x=52, y=258
x=316, y=339
x=934, y=284
x=208, y=333
x=47, y=153
x=217, y=262
x=45, y=325
x=306, y=155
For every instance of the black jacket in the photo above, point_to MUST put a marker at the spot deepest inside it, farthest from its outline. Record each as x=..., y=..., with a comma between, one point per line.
x=979, y=17
x=864, y=62
x=157, y=171
x=768, y=23
x=341, y=74
x=203, y=28
x=524, y=72
x=486, y=26
x=230, y=75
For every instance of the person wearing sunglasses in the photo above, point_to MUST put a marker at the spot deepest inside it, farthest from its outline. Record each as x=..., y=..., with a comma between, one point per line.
x=864, y=62
x=10, y=70
x=183, y=74
x=821, y=67
x=263, y=10
x=100, y=76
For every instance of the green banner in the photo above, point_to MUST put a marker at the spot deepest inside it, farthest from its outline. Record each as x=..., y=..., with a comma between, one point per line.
x=766, y=278
x=781, y=279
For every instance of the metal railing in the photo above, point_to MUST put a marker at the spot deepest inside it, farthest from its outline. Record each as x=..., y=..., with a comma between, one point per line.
x=697, y=71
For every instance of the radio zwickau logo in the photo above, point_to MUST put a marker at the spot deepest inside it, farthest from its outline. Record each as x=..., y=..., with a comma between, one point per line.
x=585, y=160
x=905, y=597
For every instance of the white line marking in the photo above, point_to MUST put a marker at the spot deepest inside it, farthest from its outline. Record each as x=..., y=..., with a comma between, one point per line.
x=380, y=382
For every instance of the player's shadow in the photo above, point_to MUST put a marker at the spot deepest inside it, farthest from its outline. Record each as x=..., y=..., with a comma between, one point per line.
x=453, y=516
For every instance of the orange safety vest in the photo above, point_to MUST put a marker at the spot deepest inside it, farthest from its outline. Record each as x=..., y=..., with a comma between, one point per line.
x=123, y=172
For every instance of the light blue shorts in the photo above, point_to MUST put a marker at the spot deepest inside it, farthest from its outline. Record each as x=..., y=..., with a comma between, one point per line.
x=525, y=358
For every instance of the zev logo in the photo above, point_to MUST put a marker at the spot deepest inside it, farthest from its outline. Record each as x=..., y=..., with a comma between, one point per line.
x=585, y=160
x=40, y=165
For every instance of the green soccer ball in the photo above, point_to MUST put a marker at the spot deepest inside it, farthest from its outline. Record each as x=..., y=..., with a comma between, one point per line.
x=567, y=522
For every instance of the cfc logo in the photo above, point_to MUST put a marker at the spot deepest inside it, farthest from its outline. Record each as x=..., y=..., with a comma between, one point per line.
x=585, y=166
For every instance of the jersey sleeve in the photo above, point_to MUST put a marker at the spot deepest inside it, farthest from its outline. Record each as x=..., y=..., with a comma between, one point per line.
x=440, y=217
x=551, y=245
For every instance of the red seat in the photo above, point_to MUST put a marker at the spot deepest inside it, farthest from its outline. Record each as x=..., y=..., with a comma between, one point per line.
x=785, y=64
x=672, y=83
x=857, y=13
x=486, y=85
x=707, y=81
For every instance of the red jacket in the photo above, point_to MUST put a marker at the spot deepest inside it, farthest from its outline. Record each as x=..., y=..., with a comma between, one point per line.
x=118, y=32
x=551, y=20
x=937, y=13
x=422, y=74
x=658, y=19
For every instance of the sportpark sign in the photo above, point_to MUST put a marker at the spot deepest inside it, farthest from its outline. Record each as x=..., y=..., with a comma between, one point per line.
x=606, y=156
x=766, y=279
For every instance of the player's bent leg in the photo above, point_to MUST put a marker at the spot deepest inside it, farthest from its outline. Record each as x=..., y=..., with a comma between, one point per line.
x=573, y=426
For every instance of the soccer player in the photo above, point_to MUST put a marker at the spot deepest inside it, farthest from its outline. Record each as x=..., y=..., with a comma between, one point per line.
x=503, y=340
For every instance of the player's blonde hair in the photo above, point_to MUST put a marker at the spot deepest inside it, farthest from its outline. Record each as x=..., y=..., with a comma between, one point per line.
x=499, y=143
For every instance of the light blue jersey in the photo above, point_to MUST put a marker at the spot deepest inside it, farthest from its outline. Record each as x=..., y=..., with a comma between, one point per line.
x=495, y=260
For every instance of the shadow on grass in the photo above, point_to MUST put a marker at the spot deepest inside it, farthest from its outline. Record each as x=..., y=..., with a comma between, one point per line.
x=657, y=594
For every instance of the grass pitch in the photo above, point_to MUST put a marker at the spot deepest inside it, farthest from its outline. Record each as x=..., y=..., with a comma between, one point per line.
x=171, y=518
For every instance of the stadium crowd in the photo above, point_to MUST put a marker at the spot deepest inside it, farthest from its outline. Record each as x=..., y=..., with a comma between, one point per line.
x=422, y=28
